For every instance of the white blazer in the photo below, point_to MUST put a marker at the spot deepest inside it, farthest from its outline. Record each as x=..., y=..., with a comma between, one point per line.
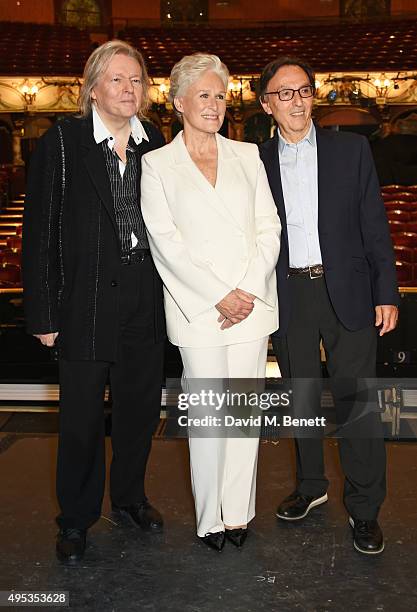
x=208, y=240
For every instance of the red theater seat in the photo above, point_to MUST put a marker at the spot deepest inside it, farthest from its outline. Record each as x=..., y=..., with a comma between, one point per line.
x=399, y=226
x=408, y=239
x=24, y=49
x=398, y=215
x=405, y=273
x=404, y=196
x=251, y=48
x=387, y=189
x=8, y=256
x=14, y=242
x=400, y=205
x=9, y=273
x=404, y=253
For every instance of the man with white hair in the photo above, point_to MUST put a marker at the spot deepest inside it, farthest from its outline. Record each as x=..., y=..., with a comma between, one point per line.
x=91, y=290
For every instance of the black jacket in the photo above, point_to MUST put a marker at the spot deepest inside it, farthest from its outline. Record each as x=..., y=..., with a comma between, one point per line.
x=355, y=242
x=71, y=247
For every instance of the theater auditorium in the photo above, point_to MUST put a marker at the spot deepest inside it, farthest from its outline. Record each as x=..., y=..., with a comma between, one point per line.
x=364, y=57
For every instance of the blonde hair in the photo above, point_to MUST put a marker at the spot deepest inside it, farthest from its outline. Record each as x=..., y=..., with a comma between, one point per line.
x=189, y=69
x=97, y=64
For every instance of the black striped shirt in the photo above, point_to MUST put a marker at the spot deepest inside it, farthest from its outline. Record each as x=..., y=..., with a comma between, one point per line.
x=125, y=197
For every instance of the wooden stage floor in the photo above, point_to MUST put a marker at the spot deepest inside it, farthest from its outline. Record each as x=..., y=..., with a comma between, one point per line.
x=310, y=566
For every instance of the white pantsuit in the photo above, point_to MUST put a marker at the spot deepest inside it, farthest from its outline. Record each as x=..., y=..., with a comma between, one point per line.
x=205, y=242
x=224, y=493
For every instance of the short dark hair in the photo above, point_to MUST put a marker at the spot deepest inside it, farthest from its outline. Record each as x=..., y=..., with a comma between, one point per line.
x=284, y=60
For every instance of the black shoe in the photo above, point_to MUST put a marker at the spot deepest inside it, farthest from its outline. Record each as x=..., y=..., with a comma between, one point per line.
x=297, y=506
x=141, y=515
x=237, y=536
x=214, y=540
x=70, y=545
x=367, y=536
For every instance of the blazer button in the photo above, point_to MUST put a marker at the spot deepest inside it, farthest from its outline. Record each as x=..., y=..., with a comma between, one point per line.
x=113, y=283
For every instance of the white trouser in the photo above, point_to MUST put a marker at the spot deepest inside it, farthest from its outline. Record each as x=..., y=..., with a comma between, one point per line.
x=223, y=470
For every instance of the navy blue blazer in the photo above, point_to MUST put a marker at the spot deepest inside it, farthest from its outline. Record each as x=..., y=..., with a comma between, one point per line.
x=355, y=242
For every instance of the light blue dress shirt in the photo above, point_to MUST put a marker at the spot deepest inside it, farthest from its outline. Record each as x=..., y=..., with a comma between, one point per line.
x=298, y=165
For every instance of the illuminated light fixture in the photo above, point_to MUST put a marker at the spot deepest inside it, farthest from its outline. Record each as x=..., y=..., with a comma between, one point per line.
x=382, y=85
x=161, y=91
x=317, y=84
x=235, y=86
x=29, y=92
x=235, y=91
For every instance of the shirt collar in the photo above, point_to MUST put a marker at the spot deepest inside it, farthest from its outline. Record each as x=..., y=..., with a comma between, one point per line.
x=310, y=137
x=102, y=133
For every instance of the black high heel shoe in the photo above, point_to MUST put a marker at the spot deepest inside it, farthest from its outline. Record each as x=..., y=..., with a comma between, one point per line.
x=237, y=536
x=214, y=540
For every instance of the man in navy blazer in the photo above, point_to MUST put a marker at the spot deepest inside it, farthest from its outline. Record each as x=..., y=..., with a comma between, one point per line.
x=336, y=283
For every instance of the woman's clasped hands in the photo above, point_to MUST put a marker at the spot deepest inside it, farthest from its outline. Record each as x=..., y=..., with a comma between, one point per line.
x=235, y=307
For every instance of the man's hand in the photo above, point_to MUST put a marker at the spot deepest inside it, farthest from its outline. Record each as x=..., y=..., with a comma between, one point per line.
x=387, y=316
x=234, y=307
x=47, y=339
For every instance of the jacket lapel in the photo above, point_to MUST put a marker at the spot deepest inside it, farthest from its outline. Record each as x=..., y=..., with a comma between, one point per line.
x=141, y=149
x=96, y=167
x=325, y=162
x=230, y=183
x=270, y=157
x=185, y=166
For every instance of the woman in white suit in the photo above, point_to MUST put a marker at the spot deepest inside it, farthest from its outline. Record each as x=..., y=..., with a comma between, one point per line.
x=214, y=235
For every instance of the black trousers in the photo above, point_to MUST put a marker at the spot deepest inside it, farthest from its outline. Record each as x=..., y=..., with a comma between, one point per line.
x=135, y=381
x=349, y=355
